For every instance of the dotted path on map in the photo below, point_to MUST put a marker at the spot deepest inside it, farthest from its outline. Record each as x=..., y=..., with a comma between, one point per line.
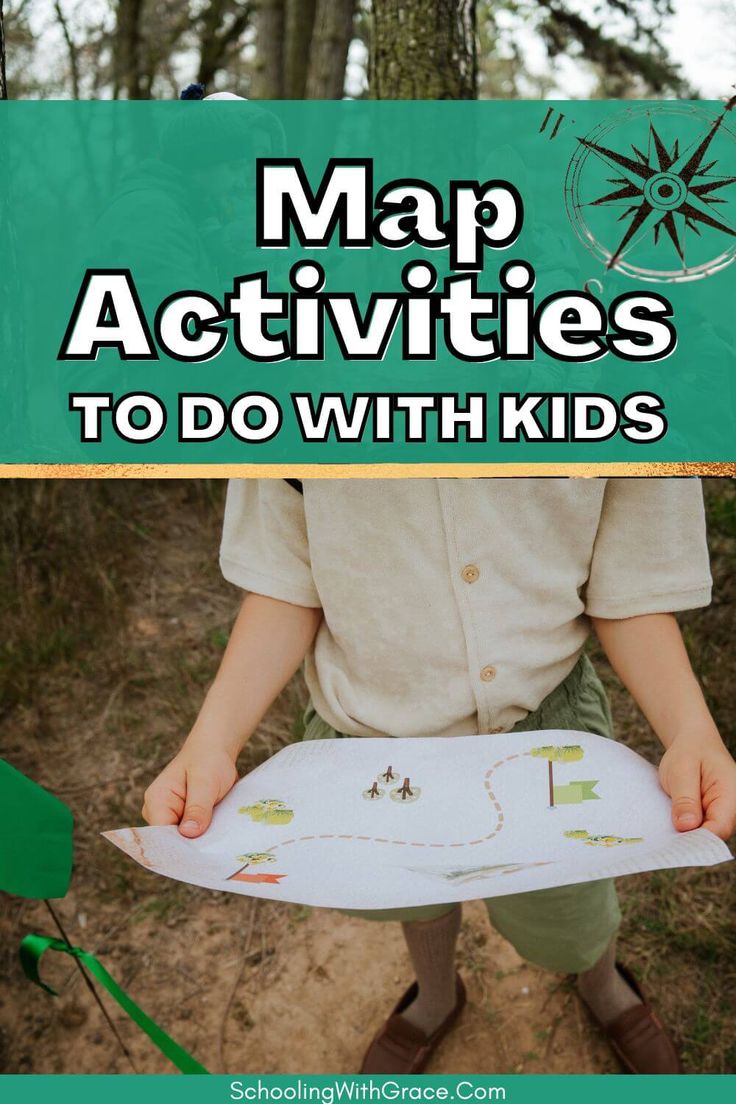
x=498, y=827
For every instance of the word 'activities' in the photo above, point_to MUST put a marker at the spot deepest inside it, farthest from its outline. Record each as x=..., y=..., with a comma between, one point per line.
x=383, y=823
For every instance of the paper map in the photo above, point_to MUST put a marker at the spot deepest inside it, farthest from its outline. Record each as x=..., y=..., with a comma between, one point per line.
x=389, y=823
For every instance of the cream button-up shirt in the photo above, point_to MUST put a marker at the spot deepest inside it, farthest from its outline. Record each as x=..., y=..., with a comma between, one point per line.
x=454, y=606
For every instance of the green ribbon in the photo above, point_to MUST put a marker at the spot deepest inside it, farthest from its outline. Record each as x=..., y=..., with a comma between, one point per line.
x=35, y=946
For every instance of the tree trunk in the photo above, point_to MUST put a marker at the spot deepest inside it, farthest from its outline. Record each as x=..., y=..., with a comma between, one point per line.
x=333, y=31
x=3, y=82
x=127, y=46
x=268, y=74
x=216, y=44
x=423, y=50
x=297, y=46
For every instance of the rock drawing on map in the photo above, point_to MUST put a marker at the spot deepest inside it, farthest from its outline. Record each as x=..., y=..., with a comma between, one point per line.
x=462, y=874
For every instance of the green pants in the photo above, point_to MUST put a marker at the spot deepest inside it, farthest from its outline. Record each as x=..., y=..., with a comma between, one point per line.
x=567, y=928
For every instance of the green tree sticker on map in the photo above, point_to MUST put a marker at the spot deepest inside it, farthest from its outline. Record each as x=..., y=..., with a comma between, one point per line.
x=571, y=793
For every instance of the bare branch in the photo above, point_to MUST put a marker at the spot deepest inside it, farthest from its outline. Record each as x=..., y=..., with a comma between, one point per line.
x=71, y=48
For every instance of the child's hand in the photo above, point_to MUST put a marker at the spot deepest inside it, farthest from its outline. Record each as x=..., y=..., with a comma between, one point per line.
x=187, y=790
x=701, y=780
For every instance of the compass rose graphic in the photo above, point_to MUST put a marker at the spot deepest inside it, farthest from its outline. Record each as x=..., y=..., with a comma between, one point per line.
x=645, y=199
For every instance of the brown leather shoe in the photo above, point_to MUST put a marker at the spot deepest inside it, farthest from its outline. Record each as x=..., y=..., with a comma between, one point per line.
x=638, y=1037
x=399, y=1047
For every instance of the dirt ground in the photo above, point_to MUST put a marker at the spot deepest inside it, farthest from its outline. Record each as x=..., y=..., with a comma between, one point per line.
x=253, y=986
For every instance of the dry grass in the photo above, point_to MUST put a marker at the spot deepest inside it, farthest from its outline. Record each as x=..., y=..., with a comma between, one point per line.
x=114, y=616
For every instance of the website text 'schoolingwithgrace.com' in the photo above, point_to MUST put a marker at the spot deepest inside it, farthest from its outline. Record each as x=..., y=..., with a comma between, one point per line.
x=364, y=1089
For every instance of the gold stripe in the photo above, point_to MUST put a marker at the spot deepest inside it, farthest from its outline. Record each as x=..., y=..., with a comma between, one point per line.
x=358, y=471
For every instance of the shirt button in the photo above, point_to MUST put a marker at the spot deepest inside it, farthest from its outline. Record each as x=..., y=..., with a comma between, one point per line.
x=470, y=573
x=488, y=673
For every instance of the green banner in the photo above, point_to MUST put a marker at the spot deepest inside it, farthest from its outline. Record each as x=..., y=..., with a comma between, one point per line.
x=332, y=1089
x=573, y=793
x=355, y=282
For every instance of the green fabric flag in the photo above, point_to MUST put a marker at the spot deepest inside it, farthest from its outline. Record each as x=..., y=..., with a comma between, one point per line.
x=36, y=852
x=33, y=948
x=36, y=861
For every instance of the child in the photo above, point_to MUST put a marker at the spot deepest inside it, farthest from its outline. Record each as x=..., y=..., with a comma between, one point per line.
x=455, y=606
